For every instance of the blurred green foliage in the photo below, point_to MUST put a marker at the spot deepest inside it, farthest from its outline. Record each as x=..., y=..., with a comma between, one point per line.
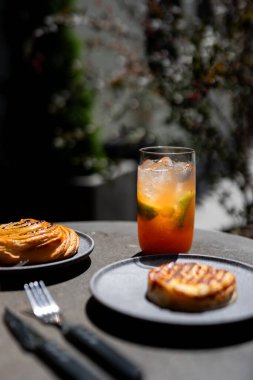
x=49, y=101
x=202, y=62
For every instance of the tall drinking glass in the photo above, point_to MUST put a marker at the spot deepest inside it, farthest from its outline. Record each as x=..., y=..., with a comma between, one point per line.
x=166, y=199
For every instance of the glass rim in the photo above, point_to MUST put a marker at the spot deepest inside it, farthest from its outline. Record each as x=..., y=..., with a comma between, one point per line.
x=170, y=149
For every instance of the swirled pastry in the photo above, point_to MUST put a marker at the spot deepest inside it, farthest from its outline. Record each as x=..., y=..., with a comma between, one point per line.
x=36, y=241
x=190, y=286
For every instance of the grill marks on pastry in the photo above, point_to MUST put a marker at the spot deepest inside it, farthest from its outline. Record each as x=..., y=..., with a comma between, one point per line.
x=36, y=241
x=193, y=273
x=190, y=286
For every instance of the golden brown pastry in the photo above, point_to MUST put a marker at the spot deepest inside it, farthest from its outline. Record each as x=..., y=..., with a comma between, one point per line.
x=190, y=286
x=36, y=241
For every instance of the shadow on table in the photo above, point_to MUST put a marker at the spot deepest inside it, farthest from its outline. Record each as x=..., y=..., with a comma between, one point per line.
x=16, y=280
x=161, y=335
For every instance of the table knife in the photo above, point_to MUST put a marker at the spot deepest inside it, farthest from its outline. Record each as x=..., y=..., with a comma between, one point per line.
x=47, y=350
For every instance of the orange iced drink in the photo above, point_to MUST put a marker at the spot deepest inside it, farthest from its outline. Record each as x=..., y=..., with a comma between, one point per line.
x=166, y=203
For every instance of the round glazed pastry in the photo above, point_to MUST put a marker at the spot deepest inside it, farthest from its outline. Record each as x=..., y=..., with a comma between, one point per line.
x=190, y=286
x=36, y=241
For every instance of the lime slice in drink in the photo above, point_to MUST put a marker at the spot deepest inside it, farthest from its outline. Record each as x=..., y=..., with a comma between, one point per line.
x=146, y=211
x=183, y=207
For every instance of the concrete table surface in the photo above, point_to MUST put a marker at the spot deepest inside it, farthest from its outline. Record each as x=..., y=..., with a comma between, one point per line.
x=161, y=353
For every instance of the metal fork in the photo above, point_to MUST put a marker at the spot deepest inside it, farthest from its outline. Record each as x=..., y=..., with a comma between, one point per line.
x=46, y=309
x=43, y=304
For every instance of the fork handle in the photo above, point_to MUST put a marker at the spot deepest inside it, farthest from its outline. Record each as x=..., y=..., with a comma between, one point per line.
x=110, y=359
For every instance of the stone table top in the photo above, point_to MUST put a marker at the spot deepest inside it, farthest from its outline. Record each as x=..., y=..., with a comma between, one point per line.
x=161, y=352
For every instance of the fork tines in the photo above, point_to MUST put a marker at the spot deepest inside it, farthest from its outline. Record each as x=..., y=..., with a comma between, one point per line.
x=40, y=299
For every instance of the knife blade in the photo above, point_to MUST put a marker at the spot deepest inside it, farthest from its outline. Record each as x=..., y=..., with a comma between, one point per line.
x=47, y=350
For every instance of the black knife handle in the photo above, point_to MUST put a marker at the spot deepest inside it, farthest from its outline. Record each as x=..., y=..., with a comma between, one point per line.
x=63, y=362
x=99, y=351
